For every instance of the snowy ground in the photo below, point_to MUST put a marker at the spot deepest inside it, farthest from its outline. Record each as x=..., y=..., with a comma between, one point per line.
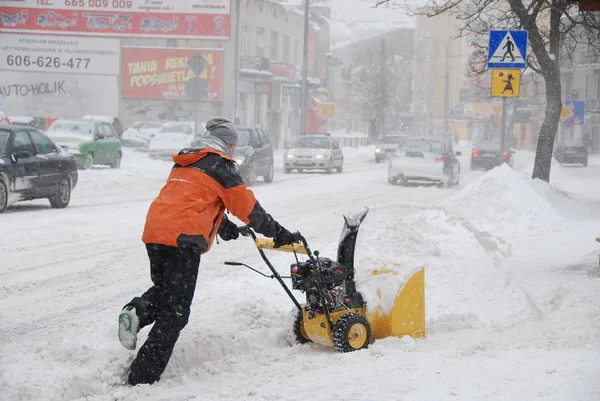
x=512, y=290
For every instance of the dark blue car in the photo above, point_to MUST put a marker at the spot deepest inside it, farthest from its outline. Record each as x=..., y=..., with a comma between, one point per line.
x=33, y=166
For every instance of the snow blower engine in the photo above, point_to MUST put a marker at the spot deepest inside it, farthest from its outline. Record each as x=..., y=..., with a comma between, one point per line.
x=335, y=312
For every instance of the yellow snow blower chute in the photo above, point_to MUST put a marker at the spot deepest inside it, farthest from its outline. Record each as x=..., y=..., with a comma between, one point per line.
x=335, y=313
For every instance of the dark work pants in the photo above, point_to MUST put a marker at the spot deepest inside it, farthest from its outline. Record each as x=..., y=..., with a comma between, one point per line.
x=166, y=304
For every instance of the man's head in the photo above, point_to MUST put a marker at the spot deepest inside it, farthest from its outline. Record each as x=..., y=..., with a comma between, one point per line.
x=223, y=129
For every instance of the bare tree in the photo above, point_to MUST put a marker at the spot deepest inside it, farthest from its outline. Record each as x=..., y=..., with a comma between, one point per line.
x=374, y=85
x=555, y=27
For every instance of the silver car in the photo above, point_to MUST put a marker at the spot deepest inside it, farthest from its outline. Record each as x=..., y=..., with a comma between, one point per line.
x=313, y=152
x=388, y=145
x=425, y=160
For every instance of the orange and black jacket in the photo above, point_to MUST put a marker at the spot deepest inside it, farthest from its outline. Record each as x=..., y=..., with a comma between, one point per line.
x=190, y=207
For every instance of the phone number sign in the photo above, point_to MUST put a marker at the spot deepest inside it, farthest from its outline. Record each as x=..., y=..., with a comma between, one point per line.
x=197, y=19
x=49, y=53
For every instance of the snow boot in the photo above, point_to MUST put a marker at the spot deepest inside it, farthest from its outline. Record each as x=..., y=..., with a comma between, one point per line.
x=129, y=325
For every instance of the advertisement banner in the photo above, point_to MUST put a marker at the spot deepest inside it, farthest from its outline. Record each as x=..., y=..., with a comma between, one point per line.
x=173, y=74
x=196, y=19
x=40, y=94
x=285, y=70
x=50, y=53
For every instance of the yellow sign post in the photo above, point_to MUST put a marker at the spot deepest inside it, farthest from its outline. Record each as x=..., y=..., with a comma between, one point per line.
x=325, y=110
x=506, y=82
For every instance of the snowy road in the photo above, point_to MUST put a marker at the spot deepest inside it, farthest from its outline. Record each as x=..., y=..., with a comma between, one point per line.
x=65, y=274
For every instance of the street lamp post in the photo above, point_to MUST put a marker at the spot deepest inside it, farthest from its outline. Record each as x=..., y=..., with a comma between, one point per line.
x=305, y=70
x=446, y=84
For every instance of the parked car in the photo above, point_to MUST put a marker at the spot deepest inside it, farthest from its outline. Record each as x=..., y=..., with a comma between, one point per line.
x=92, y=142
x=114, y=121
x=571, y=151
x=313, y=152
x=33, y=166
x=488, y=154
x=388, y=145
x=140, y=134
x=254, y=154
x=425, y=160
x=28, y=121
x=174, y=136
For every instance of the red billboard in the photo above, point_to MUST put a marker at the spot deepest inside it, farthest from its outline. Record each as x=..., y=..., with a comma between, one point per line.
x=194, y=19
x=172, y=74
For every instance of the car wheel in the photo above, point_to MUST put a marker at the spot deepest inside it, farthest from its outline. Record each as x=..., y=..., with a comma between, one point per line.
x=250, y=175
x=329, y=169
x=286, y=170
x=63, y=194
x=3, y=196
x=270, y=175
x=117, y=162
x=392, y=180
x=585, y=163
x=341, y=167
x=88, y=162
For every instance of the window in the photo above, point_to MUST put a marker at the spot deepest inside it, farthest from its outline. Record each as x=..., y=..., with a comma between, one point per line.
x=255, y=139
x=244, y=40
x=22, y=143
x=42, y=143
x=108, y=131
x=260, y=42
x=4, y=134
x=286, y=49
x=264, y=139
x=274, y=45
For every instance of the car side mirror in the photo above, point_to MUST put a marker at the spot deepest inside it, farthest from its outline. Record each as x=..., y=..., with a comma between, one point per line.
x=22, y=154
x=458, y=153
x=99, y=136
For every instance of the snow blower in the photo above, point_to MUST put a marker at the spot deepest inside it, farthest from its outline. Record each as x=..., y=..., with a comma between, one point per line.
x=335, y=313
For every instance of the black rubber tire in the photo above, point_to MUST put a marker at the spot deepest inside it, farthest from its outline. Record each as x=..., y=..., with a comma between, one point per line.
x=299, y=333
x=89, y=157
x=3, y=196
x=250, y=175
x=117, y=162
x=341, y=167
x=341, y=331
x=270, y=175
x=63, y=194
x=286, y=170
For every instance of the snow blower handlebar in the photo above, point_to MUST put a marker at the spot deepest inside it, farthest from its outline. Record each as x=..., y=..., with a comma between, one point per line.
x=248, y=232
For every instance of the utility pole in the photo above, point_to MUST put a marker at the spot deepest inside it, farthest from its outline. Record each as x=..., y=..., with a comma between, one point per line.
x=447, y=96
x=383, y=90
x=236, y=95
x=304, y=70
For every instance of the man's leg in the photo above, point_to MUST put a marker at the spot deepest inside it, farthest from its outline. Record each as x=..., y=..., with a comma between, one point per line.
x=141, y=311
x=178, y=286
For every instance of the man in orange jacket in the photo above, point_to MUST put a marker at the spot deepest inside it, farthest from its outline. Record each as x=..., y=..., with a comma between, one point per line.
x=181, y=224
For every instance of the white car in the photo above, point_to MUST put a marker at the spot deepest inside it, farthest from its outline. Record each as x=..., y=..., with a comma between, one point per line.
x=141, y=133
x=114, y=121
x=313, y=152
x=174, y=136
x=425, y=160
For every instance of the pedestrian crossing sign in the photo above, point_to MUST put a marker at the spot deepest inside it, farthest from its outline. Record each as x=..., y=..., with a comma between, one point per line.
x=507, y=49
x=506, y=82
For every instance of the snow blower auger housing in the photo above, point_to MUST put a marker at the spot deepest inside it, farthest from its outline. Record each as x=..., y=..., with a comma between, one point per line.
x=335, y=313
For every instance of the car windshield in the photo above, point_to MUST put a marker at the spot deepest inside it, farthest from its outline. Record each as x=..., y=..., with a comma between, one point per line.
x=424, y=145
x=149, y=125
x=573, y=142
x=75, y=127
x=177, y=128
x=244, y=138
x=308, y=142
x=3, y=141
x=392, y=139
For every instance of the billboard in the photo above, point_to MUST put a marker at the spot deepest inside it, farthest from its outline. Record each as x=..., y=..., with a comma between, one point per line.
x=195, y=19
x=51, y=53
x=172, y=74
x=60, y=94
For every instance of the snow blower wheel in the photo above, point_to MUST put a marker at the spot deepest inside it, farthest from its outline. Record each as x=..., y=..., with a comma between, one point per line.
x=299, y=330
x=351, y=332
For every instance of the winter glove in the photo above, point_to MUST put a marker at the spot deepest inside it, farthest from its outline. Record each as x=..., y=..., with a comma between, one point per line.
x=283, y=237
x=228, y=230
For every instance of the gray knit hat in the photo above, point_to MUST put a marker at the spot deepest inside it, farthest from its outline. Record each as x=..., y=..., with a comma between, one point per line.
x=223, y=129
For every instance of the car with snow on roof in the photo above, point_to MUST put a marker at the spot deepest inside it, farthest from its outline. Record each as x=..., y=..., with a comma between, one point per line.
x=425, y=160
x=174, y=136
x=33, y=166
x=313, y=152
x=388, y=145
